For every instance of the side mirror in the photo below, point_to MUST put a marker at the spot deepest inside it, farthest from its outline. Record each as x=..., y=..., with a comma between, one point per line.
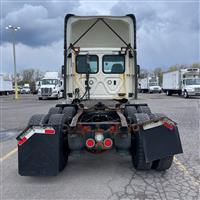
x=138, y=69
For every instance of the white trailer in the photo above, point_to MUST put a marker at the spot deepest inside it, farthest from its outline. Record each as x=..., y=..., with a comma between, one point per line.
x=51, y=86
x=5, y=84
x=149, y=84
x=184, y=82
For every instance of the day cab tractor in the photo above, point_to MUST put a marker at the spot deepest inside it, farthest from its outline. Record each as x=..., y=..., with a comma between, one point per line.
x=100, y=84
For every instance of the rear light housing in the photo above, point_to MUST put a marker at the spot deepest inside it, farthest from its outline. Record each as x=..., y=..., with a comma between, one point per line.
x=108, y=143
x=90, y=143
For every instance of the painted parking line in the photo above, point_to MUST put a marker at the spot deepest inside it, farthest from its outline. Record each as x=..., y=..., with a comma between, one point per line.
x=180, y=166
x=8, y=155
x=184, y=169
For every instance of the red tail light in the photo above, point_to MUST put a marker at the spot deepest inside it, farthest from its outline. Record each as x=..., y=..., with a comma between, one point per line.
x=20, y=142
x=168, y=125
x=50, y=131
x=108, y=143
x=90, y=143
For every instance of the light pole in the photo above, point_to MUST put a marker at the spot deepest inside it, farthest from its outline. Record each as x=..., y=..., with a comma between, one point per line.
x=13, y=30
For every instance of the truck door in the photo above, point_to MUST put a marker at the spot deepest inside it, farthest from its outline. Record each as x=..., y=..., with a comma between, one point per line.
x=106, y=75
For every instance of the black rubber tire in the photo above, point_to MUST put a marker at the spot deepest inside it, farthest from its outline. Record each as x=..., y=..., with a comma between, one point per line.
x=137, y=152
x=60, y=121
x=168, y=93
x=130, y=112
x=137, y=149
x=185, y=94
x=37, y=120
x=163, y=164
x=156, y=116
x=144, y=109
x=39, y=98
x=55, y=110
x=70, y=111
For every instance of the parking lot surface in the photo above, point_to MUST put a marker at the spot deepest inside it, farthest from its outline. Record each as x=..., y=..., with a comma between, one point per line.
x=107, y=175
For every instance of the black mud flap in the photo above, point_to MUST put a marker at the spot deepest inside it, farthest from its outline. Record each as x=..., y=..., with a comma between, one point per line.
x=160, y=142
x=41, y=155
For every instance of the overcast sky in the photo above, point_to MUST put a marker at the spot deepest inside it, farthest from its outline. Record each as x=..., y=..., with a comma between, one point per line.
x=168, y=32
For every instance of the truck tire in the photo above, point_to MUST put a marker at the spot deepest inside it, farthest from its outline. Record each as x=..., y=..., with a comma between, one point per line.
x=38, y=120
x=39, y=98
x=55, y=110
x=60, y=121
x=157, y=115
x=137, y=152
x=137, y=149
x=70, y=111
x=185, y=94
x=168, y=93
x=163, y=164
x=130, y=112
x=144, y=109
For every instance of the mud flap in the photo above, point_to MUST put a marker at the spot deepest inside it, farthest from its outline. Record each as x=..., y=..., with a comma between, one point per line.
x=41, y=155
x=160, y=142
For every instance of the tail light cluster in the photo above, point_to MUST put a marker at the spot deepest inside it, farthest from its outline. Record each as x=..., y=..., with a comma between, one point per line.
x=91, y=143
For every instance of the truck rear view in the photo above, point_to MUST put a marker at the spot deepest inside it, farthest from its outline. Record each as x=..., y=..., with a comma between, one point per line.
x=100, y=79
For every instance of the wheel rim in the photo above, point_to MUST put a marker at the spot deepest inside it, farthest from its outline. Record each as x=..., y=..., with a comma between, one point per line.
x=185, y=94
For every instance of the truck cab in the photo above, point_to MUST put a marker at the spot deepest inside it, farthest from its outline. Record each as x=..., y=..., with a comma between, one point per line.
x=153, y=85
x=149, y=84
x=26, y=89
x=190, y=82
x=102, y=64
x=51, y=86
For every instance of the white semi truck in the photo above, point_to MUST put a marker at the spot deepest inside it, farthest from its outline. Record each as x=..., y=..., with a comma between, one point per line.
x=149, y=84
x=26, y=89
x=98, y=114
x=184, y=82
x=51, y=86
x=5, y=84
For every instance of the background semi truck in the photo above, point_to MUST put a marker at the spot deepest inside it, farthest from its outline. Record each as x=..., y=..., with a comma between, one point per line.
x=184, y=82
x=26, y=89
x=5, y=84
x=98, y=114
x=51, y=86
x=149, y=84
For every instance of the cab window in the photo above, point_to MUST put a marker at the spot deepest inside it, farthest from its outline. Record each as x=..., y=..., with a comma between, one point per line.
x=87, y=64
x=113, y=64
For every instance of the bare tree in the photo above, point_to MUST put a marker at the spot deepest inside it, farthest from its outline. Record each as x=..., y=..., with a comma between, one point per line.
x=143, y=73
x=28, y=75
x=38, y=75
x=195, y=65
x=159, y=73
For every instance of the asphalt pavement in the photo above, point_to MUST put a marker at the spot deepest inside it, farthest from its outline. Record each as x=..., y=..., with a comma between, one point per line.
x=107, y=175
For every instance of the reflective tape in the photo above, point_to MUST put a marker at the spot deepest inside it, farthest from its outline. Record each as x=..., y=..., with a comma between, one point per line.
x=152, y=125
x=35, y=130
